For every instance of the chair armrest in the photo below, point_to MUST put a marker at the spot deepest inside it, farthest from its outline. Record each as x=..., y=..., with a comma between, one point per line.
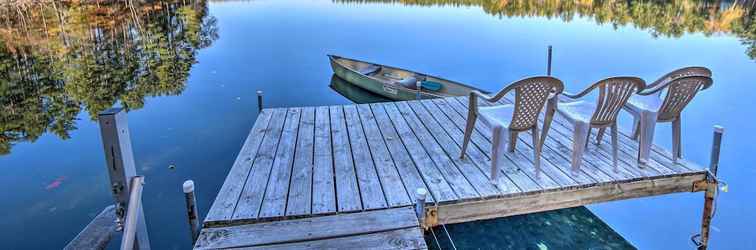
x=586, y=91
x=569, y=97
x=654, y=89
x=477, y=94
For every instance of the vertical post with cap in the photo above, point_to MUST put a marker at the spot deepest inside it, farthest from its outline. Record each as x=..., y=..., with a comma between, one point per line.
x=548, y=62
x=119, y=158
x=711, y=189
x=191, y=209
x=420, y=196
x=259, y=101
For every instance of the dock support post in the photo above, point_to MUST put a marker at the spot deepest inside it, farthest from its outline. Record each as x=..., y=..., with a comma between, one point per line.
x=711, y=189
x=259, y=101
x=191, y=209
x=548, y=64
x=119, y=157
x=420, y=196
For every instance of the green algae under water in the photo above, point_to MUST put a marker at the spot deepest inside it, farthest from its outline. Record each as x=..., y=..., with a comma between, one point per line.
x=572, y=228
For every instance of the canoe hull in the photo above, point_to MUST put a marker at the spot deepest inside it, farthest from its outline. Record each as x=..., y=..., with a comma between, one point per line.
x=355, y=94
x=372, y=85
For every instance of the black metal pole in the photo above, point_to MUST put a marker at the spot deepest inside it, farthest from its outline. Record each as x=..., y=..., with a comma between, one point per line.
x=548, y=66
x=715, y=148
x=259, y=101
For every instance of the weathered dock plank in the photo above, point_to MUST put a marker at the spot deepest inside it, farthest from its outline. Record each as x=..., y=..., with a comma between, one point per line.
x=252, y=196
x=509, y=167
x=300, y=191
x=269, y=234
x=480, y=181
x=457, y=181
x=495, y=208
x=274, y=203
x=393, y=188
x=408, y=238
x=439, y=187
x=367, y=176
x=228, y=196
x=323, y=184
x=347, y=191
x=410, y=174
x=505, y=185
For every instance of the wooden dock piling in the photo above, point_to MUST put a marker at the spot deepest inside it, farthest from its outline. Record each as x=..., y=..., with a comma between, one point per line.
x=420, y=198
x=191, y=209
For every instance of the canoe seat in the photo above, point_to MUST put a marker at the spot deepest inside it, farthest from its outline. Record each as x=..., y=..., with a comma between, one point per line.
x=432, y=86
x=369, y=70
x=408, y=82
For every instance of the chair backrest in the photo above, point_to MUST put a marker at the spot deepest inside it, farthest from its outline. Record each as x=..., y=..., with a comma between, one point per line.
x=531, y=95
x=679, y=93
x=613, y=94
x=681, y=72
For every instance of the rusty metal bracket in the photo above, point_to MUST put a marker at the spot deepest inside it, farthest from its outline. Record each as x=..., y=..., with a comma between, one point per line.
x=431, y=217
x=700, y=185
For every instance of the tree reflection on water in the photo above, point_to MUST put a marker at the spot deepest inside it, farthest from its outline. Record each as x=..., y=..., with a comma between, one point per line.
x=661, y=18
x=60, y=58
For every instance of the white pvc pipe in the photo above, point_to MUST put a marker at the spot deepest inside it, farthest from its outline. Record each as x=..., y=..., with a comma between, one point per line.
x=132, y=213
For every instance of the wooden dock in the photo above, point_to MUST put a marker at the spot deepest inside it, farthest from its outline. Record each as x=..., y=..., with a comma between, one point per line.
x=304, y=164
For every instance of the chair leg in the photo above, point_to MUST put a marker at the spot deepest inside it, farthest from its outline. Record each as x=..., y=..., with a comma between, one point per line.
x=471, y=118
x=579, y=137
x=512, y=141
x=636, y=127
x=615, y=146
x=648, y=125
x=676, y=140
x=536, y=151
x=588, y=136
x=495, y=151
x=550, y=110
x=600, y=136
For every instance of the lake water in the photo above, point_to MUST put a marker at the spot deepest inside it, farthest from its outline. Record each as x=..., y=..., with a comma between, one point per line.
x=189, y=72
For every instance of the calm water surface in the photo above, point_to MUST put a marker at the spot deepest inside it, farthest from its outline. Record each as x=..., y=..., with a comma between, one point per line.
x=189, y=71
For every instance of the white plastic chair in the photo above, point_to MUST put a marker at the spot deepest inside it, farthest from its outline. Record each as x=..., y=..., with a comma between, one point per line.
x=584, y=115
x=649, y=107
x=531, y=94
